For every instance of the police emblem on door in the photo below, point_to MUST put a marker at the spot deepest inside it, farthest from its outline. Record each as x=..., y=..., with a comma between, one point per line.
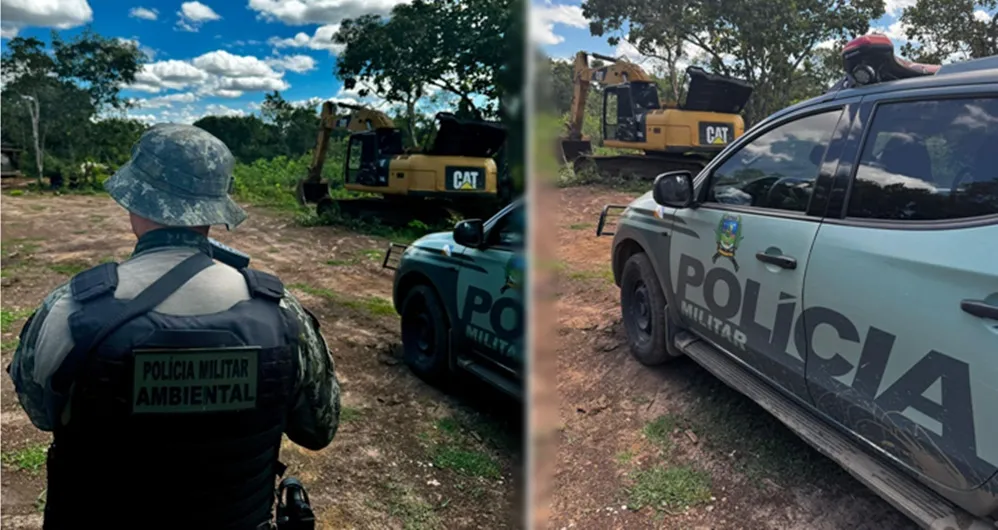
x=465, y=178
x=716, y=134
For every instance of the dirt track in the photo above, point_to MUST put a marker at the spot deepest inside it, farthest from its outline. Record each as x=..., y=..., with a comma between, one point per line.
x=406, y=455
x=674, y=439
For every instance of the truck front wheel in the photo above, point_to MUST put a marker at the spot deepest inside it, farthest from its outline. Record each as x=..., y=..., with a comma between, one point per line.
x=643, y=308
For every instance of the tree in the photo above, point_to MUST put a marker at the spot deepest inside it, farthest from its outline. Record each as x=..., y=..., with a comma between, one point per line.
x=457, y=46
x=763, y=41
x=248, y=137
x=51, y=98
x=950, y=29
x=296, y=125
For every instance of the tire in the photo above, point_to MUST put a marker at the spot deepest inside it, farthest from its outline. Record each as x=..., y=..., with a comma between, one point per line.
x=643, y=308
x=425, y=334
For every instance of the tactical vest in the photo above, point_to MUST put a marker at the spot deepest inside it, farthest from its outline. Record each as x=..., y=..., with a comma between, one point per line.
x=175, y=421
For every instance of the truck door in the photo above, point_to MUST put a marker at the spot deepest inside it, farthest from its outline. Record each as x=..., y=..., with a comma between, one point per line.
x=902, y=288
x=491, y=293
x=738, y=260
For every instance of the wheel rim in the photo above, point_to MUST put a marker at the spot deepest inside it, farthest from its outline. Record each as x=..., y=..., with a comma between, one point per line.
x=638, y=318
x=419, y=330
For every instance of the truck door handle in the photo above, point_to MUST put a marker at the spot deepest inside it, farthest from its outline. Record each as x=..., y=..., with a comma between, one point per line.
x=980, y=309
x=785, y=262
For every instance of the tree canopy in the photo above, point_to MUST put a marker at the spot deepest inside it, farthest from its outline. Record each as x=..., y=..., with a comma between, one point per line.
x=454, y=46
x=945, y=29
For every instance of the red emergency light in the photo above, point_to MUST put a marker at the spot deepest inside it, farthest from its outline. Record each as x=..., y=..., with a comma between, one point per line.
x=870, y=59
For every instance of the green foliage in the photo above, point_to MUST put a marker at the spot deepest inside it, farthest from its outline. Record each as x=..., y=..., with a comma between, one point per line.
x=30, y=458
x=51, y=95
x=272, y=182
x=673, y=487
x=457, y=46
x=8, y=318
x=946, y=28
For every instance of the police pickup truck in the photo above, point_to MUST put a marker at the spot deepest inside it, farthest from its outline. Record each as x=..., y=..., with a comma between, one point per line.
x=460, y=296
x=838, y=264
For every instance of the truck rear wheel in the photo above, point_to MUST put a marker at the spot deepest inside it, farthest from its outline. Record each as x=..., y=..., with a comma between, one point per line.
x=424, y=334
x=643, y=308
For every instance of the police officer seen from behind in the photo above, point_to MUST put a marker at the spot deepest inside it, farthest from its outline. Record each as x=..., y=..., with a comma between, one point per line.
x=168, y=379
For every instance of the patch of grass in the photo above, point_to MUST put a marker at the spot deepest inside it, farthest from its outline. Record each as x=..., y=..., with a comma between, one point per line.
x=350, y=414
x=372, y=305
x=30, y=458
x=9, y=317
x=414, y=512
x=624, y=458
x=373, y=254
x=69, y=268
x=727, y=422
x=449, y=425
x=9, y=345
x=605, y=274
x=580, y=226
x=669, y=488
x=340, y=262
x=467, y=462
x=16, y=193
x=659, y=430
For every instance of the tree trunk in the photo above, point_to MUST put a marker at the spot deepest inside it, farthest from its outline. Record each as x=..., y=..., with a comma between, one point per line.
x=34, y=111
x=410, y=121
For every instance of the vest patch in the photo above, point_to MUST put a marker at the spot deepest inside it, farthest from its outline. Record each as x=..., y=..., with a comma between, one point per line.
x=194, y=380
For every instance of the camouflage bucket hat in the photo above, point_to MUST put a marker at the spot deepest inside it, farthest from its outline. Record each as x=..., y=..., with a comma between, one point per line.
x=179, y=175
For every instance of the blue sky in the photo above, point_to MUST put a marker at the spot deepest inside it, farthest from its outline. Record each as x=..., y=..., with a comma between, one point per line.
x=215, y=56
x=560, y=30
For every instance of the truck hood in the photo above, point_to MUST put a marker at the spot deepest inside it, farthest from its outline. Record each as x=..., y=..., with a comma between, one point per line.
x=436, y=242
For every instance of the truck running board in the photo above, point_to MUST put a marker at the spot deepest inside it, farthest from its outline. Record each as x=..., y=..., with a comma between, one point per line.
x=491, y=376
x=904, y=493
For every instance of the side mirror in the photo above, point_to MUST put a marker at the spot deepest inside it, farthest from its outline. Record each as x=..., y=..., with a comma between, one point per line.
x=469, y=233
x=674, y=189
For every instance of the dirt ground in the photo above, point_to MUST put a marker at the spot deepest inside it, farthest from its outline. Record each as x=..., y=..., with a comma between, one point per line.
x=670, y=447
x=406, y=456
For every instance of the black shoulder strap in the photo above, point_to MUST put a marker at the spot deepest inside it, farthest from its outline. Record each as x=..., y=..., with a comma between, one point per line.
x=146, y=301
x=94, y=282
x=263, y=285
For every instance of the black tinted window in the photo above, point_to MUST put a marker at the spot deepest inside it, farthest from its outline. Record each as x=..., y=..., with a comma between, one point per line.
x=929, y=160
x=778, y=169
x=510, y=229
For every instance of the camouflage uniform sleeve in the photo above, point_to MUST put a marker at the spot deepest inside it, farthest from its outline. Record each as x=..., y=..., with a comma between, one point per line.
x=315, y=413
x=36, y=358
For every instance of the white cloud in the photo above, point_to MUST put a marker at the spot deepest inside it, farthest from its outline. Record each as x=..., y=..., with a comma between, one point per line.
x=145, y=118
x=59, y=14
x=225, y=64
x=322, y=39
x=222, y=110
x=149, y=52
x=170, y=74
x=295, y=63
x=253, y=84
x=225, y=93
x=166, y=101
x=544, y=19
x=895, y=7
x=193, y=14
x=983, y=16
x=143, y=13
x=302, y=12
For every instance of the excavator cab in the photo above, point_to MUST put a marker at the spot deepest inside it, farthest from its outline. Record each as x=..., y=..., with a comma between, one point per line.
x=369, y=156
x=624, y=109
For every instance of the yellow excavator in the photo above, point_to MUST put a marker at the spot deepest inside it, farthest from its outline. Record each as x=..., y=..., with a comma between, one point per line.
x=672, y=136
x=456, y=171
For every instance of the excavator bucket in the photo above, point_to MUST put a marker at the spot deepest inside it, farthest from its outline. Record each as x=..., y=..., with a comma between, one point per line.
x=310, y=192
x=569, y=150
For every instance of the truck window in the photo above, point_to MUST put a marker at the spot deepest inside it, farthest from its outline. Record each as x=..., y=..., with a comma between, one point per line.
x=776, y=170
x=929, y=161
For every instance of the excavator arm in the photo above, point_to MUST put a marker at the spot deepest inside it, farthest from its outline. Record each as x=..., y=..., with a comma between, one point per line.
x=311, y=188
x=617, y=71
